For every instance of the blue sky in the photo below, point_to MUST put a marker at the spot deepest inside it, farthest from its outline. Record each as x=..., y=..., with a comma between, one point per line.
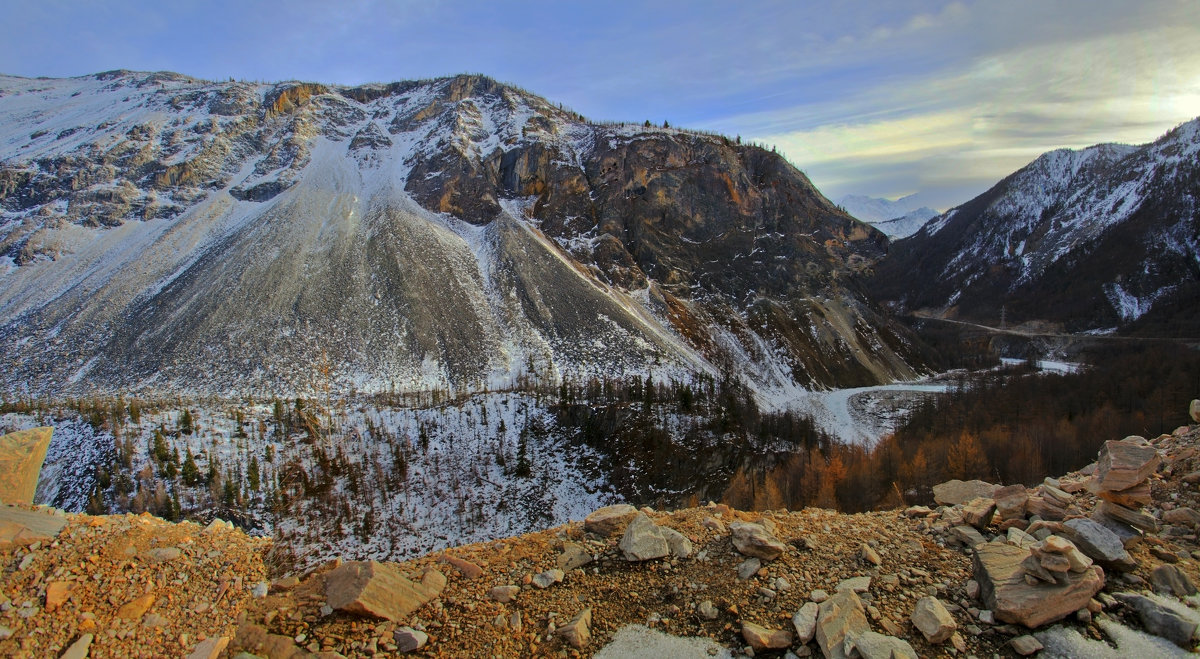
x=885, y=99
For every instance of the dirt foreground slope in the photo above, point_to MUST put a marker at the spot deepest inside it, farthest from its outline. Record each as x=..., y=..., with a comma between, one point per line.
x=138, y=586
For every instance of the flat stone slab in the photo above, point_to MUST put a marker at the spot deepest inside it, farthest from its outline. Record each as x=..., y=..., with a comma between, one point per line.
x=370, y=588
x=19, y=526
x=952, y=493
x=1125, y=463
x=1001, y=577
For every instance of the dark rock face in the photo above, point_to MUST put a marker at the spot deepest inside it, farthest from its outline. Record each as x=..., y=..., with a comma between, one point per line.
x=451, y=233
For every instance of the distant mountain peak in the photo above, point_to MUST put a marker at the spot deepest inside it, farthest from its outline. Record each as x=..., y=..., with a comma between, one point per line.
x=1090, y=237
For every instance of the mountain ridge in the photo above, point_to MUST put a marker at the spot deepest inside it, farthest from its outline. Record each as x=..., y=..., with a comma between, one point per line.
x=1089, y=238
x=392, y=231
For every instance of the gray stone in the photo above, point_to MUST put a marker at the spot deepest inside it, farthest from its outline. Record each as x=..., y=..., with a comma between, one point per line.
x=818, y=596
x=1183, y=516
x=1003, y=589
x=548, y=578
x=1160, y=620
x=678, y=543
x=754, y=540
x=505, y=593
x=933, y=620
x=955, y=492
x=609, y=519
x=1194, y=411
x=707, y=611
x=1128, y=535
x=643, y=540
x=805, y=622
x=1099, y=543
x=577, y=632
x=873, y=645
x=748, y=568
x=408, y=639
x=1171, y=580
x=1026, y=645
x=967, y=535
x=856, y=584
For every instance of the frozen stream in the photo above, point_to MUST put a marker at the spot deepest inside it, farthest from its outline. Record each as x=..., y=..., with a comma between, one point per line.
x=864, y=414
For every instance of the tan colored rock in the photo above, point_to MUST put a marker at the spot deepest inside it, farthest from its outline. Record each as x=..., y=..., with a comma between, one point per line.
x=1001, y=577
x=79, y=649
x=577, y=632
x=370, y=588
x=838, y=617
x=955, y=492
x=1183, y=516
x=760, y=638
x=210, y=648
x=1026, y=645
x=1125, y=463
x=933, y=620
x=609, y=520
x=466, y=568
x=979, y=512
x=1134, y=518
x=873, y=645
x=754, y=540
x=1137, y=496
x=21, y=456
x=57, y=593
x=137, y=608
x=1194, y=411
x=869, y=555
x=1010, y=501
x=505, y=594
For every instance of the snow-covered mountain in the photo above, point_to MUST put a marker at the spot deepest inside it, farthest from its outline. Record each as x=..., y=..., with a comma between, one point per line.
x=164, y=234
x=897, y=219
x=1093, y=238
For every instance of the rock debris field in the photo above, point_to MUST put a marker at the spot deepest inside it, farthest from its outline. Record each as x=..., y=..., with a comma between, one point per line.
x=1104, y=555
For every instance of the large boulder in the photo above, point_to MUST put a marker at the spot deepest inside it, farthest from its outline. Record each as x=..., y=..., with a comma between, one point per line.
x=955, y=492
x=839, y=617
x=933, y=620
x=1125, y=463
x=1098, y=542
x=643, y=540
x=754, y=540
x=1004, y=589
x=978, y=512
x=371, y=588
x=21, y=457
x=608, y=520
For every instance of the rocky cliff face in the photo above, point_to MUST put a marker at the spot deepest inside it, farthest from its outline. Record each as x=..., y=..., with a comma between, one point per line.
x=160, y=233
x=1095, y=239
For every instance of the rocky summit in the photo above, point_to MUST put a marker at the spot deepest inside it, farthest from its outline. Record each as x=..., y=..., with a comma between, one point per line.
x=756, y=584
